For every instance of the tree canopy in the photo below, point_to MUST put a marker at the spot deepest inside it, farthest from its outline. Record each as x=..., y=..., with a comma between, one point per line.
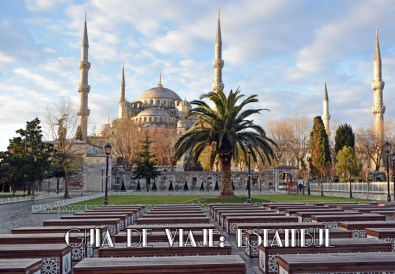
x=319, y=145
x=344, y=137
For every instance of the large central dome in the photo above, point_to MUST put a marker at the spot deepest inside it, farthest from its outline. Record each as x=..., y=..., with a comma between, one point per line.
x=160, y=93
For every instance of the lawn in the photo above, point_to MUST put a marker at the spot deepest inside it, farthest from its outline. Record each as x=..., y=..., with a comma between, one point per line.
x=182, y=199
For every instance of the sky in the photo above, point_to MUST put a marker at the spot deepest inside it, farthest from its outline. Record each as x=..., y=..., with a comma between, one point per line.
x=281, y=50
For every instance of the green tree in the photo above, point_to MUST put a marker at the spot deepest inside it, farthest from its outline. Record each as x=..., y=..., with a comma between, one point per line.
x=343, y=165
x=171, y=186
x=78, y=135
x=145, y=166
x=319, y=145
x=186, y=186
x=202, y=186
x=226, y=128
x=344, y=137
x=11, y=168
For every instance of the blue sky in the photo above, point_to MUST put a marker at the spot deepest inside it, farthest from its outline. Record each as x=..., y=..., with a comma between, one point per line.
x=280, y=50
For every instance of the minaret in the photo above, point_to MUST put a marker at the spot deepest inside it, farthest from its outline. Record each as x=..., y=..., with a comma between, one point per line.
x=326, y=117
x=83, y=87
x=218, y=63
x=122, y=95
x=378, y=85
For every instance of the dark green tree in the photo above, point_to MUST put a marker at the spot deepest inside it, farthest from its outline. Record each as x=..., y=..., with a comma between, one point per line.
x=229, y=130
x=145, y=166
x=233, y=186
x=186, y=186
x=344, y=137
x=217, y=187
x=171, y=186
x=78, y=135
x=154, y=186
x=123, y=186
x=138, y=188
x=319, y=145
x=202, y=186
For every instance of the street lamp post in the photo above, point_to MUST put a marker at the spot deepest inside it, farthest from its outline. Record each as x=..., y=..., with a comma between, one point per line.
x=24, y=179
x=308, y=157
x=107, y=150
x=249, y=172
x=102, y=174
x=322, y=181
x=393, y=169
x=387, y=150
x=349, y=165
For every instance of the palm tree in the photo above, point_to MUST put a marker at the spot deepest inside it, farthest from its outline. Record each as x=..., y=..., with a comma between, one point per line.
x=227, y=131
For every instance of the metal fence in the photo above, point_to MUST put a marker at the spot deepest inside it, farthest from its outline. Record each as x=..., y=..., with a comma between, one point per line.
x=374, y=187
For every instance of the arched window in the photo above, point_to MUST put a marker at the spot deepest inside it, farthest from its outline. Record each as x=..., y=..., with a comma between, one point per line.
x=145, y=119
x=155, y=119
x=165, y=103
x=150, y=119
x=151, y=102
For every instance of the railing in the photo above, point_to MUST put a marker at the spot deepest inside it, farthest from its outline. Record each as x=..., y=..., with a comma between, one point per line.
x=374, y=187
x=14, y=200
x=55, y=207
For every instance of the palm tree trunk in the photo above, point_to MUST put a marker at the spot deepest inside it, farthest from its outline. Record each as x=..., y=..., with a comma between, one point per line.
x=226, y=188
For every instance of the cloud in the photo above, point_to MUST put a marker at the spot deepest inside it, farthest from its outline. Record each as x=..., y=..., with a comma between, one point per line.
x=44, y=5
x=39, y=80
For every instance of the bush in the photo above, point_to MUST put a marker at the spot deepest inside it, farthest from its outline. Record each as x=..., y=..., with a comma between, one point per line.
x=233, y=186
x=216, y=185
x=201, y=186
x=186, y=186
x=171, y=186
x=123, y=186
x=154, y=186
x=138, y=186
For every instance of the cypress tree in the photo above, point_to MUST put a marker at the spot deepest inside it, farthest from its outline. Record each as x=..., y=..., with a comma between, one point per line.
x=186, y=186
x=233, y=186
x=344, y=137
x=123, y=186
x=138, y=188
x=319, y=145
x=171, y=186
x=78, y=135
x=216, y=185
x=154, y=186
x=201, y=186
x=145, y=166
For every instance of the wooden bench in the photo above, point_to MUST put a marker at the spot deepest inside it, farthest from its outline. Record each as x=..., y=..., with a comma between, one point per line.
x=337, y=263
x=335, y=205
x=163, y=250
x=229, y=264
x=192, y=210
x=231, y=222
x=385, y=234
x=162, y=237
x=172, y=227
x=174, y=220
x=279, y=204
x=262, y=214
x=358, y=228
x=216, y=208
x=133, y=214
x=123, y=217
x=367, y=210
x=23, y=266
x=141, y=208
x=169, y=215
x=251, y=240
x=56, y=257
x=113, y=224
x=218, y=216
x=78, y=253
x=174, y=212
x=332, y=221
x=251, y=226
x=293, y=211
x=349, y=208
x=283, y=208
x=211, y=206
x=389, y=215
x=305, y=216
x=55, y=229
x=267, y=256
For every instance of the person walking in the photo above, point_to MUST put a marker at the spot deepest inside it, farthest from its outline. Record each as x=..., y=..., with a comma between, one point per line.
x=300, y=187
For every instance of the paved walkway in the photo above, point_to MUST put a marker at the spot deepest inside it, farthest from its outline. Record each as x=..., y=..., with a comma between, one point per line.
x=252, y=263
x=20, y=214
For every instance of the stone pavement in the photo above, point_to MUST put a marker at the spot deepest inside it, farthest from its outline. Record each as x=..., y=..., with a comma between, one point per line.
x=252, y=263
x=20, y=214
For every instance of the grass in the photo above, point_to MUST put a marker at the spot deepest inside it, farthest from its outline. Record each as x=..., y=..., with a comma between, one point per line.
x=182, y=199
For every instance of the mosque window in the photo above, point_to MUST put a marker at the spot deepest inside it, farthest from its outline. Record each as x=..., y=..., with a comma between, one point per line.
x=145, y=119
x=150, y=119
x=151, y=102
x=155, y=119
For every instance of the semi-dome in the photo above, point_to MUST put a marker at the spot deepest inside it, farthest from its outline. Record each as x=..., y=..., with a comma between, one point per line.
x=160, y=93
x=154, y=112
